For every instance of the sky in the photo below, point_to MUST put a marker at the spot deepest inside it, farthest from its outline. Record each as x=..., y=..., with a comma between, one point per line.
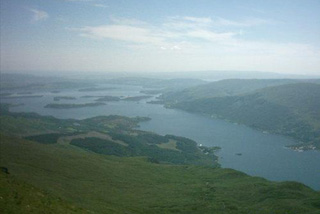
x=160, y=35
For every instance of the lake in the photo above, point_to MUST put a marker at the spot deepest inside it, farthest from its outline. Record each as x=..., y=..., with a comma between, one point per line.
x=243, y=148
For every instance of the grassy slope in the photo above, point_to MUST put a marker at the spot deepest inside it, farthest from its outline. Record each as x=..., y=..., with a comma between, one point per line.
x=19, y=197
x=292, y=109
x=108, y=184
x=230, y=87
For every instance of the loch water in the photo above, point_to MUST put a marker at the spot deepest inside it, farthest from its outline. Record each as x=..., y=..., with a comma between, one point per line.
x=242, y=148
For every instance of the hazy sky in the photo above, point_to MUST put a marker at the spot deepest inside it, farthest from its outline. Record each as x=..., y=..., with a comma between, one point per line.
x=161, y=35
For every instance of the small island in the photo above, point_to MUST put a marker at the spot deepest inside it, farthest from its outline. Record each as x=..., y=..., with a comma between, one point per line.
x=151, y=92
x=107, y=99
x=91, y=96
x=63, y=98
x=5, y=94
x=136, y=98
x=68, y=106
x=94, y=89
x=156, y=102
x=304, y=147
x=23, y=93
x=22, y=96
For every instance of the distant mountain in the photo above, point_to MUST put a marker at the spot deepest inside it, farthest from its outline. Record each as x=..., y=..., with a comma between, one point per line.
x=208, y=75
x=23, y=82
x=290, y=109
x=176, y=83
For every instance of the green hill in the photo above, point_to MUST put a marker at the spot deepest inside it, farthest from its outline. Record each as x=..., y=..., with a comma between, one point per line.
x=110, y=184
x=229, y=87
x=291, y=109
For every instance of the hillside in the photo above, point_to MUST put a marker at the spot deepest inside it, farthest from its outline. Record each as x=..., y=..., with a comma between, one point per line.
x=229, y=87
x=110, y=135
x=20, y=197
x=291, y=109
x=28, y=83
x=110, y=184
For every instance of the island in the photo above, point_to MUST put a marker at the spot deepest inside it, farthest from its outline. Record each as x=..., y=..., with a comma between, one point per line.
x=136, y=98
x=90, y=96
x=67, y=106
x=304, y=147
x=94, y=89
x=5, y=94
x=26, y=92
x=23, y=96
x=63, y=98
x=156, y=102
x=151, y=92
x=108, y=99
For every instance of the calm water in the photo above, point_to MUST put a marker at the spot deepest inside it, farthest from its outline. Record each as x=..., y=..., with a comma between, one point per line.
x=262, y=154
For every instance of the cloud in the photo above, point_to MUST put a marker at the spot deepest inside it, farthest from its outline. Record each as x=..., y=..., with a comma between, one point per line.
x=100, y=5
x=211, y=36
x=123, y=33
x=80, y=0
x=126, y=21
x=176, y=47
x=94, y=3
x=197, y=39
x=249, y=22
x=186, y=22
x=39, y=15
x=199, y=20
x=135, y=31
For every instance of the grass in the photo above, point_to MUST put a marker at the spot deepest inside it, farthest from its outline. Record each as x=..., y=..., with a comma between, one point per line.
x=172, y=144
x=68, y=139
x=109, y=184
x=20, y=197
